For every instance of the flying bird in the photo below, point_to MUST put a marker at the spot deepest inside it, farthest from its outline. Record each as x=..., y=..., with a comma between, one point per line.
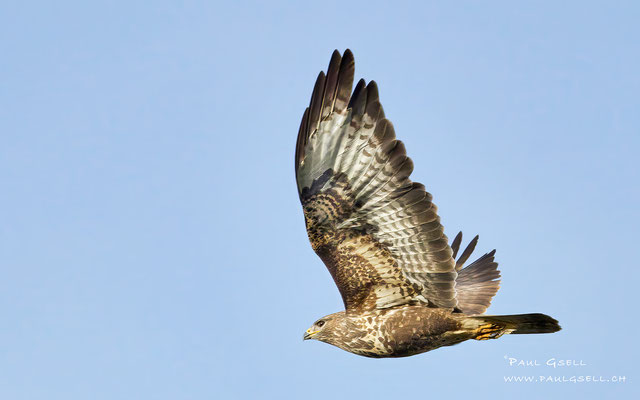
x=380, y=237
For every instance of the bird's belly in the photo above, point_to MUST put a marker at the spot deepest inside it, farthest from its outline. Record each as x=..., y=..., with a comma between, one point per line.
x=408, y=332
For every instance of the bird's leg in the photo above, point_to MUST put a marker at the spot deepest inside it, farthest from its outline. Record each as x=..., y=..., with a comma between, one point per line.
x=489, y=331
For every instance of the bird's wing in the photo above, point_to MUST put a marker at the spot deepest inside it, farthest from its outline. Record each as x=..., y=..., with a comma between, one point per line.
x=478, y=282
x=377, y=231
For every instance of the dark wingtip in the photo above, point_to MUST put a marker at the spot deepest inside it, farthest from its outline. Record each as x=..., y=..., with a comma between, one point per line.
x=335, y=60
x=455, y=245
x=372, y=92
x=467, y=252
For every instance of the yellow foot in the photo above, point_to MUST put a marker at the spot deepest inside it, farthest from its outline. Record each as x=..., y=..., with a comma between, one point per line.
x=489, y=331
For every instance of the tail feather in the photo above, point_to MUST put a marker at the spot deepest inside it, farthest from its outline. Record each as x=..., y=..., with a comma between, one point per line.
x=493, y=326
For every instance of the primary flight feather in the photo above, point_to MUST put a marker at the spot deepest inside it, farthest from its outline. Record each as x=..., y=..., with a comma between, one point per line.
x=380, y=236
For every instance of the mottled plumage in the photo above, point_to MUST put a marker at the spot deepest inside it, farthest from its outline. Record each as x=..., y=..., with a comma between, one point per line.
x=380, y=236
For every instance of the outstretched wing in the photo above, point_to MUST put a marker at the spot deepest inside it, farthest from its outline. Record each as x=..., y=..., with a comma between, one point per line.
x=377, y=231
x=478, y=282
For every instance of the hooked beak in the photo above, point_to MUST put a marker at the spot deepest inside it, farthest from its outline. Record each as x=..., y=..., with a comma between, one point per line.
x=308, y=334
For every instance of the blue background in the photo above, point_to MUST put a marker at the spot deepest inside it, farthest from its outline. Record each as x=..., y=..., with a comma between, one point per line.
x=151, y=241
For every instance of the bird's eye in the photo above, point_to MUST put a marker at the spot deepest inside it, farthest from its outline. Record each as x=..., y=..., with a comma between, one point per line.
x=320, y=323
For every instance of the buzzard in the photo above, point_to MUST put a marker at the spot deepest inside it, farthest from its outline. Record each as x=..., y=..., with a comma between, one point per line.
x=380, y=236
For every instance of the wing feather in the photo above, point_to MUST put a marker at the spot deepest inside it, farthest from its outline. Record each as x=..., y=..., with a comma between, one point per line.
x=377, y=231
x=477, y=284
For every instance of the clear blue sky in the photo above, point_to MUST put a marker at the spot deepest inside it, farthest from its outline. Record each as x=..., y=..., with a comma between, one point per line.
x=151, y=241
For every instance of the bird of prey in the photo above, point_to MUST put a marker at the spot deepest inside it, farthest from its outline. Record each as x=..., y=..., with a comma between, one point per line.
x=380, y=236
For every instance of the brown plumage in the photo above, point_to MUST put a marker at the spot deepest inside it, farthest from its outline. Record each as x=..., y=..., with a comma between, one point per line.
x=380, y=236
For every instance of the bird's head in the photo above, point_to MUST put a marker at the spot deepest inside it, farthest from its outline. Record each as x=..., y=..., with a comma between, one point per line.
x=326, y=328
